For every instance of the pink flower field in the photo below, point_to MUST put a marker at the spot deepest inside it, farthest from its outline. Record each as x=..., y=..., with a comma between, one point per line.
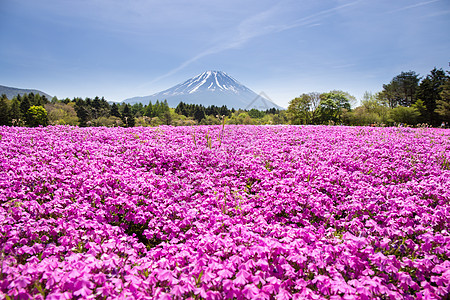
x=245, y=212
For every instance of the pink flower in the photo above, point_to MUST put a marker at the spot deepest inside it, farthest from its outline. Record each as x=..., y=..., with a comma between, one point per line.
x=241, y=277
x=225, y=273
x=165, y=275
x=250, y=291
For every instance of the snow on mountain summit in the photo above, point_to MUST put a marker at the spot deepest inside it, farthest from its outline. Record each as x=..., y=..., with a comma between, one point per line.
x=209, y=80
x=210, y=88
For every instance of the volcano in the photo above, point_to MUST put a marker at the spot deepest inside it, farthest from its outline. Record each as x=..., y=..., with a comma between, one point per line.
x=210, y=88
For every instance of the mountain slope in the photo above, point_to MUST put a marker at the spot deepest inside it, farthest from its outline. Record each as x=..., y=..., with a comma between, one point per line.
x=210, y=88
x=11, y=92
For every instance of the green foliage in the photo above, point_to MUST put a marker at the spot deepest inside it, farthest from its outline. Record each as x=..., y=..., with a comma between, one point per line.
x=360, y=116
x=115, y=111
x=299, y=110
x=166, y=118
x=37, y=116
x=401, y=90
x=443, y=104
x=199, y=113
x=137, y=110
x=24, y=105
x=4, y=111
x=405, y=115
x=89, y=110
x=14, y=112
x=210, y=120
x=60, y=113
x=280, y=118
x=304, y=109
x=256, y=114
x=241, y=117
x=127, y=117
x=429, y=91
x=155, y=110
x=332, y=106
x=373, y=110
x=422, y=109
x=189, y=110
x=110, y=121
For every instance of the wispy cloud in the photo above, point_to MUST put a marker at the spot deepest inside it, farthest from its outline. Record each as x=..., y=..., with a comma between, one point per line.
x=412, y=6
x=256, y=26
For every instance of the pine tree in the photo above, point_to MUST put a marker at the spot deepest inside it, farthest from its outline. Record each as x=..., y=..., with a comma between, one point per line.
x=443, y=105
x=115, y=111
x=127, y=117
x=24, y=105
x=199, y=113
x=181, y=109
x=4, y=111
x=148, y=110
x=429, y=92
x=14, y=112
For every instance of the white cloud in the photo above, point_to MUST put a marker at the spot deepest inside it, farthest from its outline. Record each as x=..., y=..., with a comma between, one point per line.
x=263, y=23
x=412, y=6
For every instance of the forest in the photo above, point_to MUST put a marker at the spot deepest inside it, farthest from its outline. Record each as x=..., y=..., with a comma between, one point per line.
x=407, y=99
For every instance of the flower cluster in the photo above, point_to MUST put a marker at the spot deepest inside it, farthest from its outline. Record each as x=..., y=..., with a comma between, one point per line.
x=285, y=212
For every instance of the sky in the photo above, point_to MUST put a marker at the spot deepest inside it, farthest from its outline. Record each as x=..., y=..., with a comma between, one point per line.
x=120, y=49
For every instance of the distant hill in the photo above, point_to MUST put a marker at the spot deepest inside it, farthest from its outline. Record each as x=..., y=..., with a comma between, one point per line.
x=210, y=88
x=11, y=92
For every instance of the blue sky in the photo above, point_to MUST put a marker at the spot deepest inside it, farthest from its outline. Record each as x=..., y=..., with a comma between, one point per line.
x=125, y=48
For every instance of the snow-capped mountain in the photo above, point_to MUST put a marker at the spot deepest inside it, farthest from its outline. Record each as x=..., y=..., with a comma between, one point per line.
x=210, y=88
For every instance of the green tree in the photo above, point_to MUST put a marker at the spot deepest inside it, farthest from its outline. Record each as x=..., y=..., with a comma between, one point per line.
x=422, y=109
x=299, y=110
x=24, y=105
x=83, y=112
x=429, y=92
x=166, y=118
x=402, y=89
x=371, y=111
x=5, y=117
x=148, y=110
x=14, y=112
x=443, y=104
x=60, y=113
x=115, y=110
x=406, y=115
x=253, y=113
x=127, y=116
x=37, y=115
x=224, y=111
x=38, y=101
x=199, y=113
x=332, y=106
x=304, y=109
x=181, y=109
x=137, y=110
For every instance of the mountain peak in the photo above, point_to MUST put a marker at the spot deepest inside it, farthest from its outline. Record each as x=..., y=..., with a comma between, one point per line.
x=208, y=81
x=210, y=88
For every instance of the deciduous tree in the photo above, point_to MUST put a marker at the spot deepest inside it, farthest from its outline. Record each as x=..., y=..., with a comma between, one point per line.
x=37, y=115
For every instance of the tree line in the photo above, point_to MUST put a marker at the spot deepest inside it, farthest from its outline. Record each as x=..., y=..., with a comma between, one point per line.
x=406, y=99
x=34, y=110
